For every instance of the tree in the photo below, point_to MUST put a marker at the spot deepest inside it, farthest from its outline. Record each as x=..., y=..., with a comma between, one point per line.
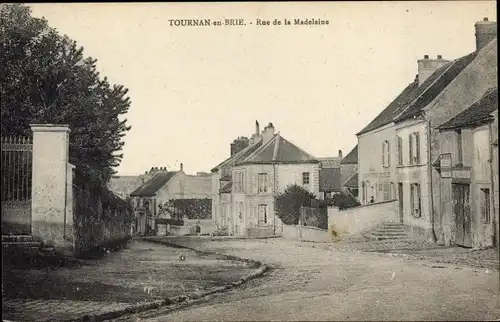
x=47, y=79
x=287, y=204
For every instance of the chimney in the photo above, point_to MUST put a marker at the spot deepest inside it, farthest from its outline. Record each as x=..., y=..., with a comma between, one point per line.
x=486, y=31
x=239, y=144
x=182, y=167
x=268, y=133
x=427, y=66
x=257, y=128
x=340, y=154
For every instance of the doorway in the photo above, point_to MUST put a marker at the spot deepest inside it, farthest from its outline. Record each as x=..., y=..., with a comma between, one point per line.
x=401, y=202
x=461, y=210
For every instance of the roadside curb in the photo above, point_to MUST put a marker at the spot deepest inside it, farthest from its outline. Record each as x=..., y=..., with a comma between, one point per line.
x=181, y=300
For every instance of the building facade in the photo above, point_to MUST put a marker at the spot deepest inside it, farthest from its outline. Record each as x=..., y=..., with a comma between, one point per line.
x=161, y=187
x=406, y=139
x=245, y=199
x=467, y=184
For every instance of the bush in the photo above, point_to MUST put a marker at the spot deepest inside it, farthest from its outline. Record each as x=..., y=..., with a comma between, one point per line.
x=287, y=204
x=344, y=201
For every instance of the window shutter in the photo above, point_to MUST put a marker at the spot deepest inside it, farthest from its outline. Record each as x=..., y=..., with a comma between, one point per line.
x=411, y=148
x=417, y=143
x=388, y=154
x=383, y=154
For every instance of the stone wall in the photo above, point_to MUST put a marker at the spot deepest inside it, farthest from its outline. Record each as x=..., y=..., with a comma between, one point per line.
x=305, y=233
x=360, y=219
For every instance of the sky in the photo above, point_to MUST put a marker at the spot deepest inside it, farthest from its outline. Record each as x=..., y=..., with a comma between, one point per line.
x=195, y=89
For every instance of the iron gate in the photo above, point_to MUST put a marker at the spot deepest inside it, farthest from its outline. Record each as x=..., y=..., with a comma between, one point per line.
x=17, y=157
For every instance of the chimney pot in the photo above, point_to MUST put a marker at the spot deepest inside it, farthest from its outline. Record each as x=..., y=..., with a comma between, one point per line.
x=182, y=167
x=485, y=19
x=440, y=57
x=426, y=56
x=340, y=153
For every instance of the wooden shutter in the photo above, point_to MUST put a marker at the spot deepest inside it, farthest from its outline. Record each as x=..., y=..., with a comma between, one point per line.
x=383, y=154
x=388, y=154
x=400, y=150
x=417, y=143
x=411, y=148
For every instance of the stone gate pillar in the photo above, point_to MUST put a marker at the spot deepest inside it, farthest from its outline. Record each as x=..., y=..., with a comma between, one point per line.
x=49, y=183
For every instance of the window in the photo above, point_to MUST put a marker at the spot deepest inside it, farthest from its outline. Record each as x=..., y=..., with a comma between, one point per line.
x=262, y=182
x=238, y=183
x=262, y=215
x=400, y=150
x=485, y=205
x=414, y=148
x=459, y=148
x=386, y=159
x=416, y=200
x=305, y=178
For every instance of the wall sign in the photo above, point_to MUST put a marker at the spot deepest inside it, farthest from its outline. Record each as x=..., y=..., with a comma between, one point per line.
x=461, y=174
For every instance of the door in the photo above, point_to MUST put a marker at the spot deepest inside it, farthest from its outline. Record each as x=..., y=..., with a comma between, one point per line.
x=401, y=202
x=461, y=210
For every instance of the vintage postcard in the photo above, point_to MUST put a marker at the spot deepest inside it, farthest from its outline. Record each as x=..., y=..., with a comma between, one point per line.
x=250, y=161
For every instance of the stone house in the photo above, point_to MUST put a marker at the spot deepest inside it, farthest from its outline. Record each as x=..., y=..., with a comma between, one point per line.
x=466, y=185
x=349, y=172
x=163, y=186
x=244, y=185
x=405, y=136
x=123, y=185
x=330, y=176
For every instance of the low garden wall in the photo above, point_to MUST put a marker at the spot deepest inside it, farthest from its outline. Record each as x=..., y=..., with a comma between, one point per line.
x=306, y=233
x=360, y=219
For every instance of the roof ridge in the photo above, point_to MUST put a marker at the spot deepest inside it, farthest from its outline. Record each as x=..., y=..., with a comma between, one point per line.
x=260, y=149
x=276, y=146
x=452, y=63
x=302, y=150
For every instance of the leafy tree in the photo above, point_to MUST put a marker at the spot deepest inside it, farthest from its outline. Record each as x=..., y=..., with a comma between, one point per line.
x=287, y=204
x=47, y=79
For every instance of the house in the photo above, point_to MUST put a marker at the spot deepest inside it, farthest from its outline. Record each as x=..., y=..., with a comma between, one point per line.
x=244, y=185
x=162, y=185
x=466, y=186
x=329, y=182
x=349, y=172
x=404, y=134
x=123, y=185
x=330, y=176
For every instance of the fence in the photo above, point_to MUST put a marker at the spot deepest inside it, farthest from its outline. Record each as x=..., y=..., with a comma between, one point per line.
x=16, y=167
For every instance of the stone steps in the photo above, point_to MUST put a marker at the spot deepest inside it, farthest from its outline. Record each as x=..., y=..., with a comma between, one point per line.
x=388, y=231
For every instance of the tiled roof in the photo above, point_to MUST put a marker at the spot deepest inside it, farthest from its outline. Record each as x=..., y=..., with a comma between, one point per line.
x=414, y=98
x=227, y=188
x=477, y=113
x=279, y=150
x=150, y=187
x=435, y=85
x=351, y=157
x=238, y=156
x=333, y=162
x=352, y=182
x=386, y=116
x=329, y=180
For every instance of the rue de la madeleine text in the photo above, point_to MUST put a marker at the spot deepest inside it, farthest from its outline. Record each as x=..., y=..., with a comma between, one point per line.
x=243, y=22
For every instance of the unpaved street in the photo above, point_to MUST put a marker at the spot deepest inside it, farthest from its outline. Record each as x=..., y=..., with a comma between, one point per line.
x=310, y=282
